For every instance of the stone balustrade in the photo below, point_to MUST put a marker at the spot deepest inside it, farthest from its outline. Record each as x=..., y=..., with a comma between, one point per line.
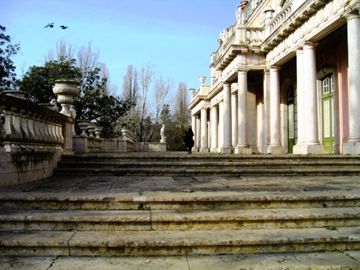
x=32, y=140
x=27, y=124
x=282, y=16
x=87, y=143
x=90, y=141
x=254, y=36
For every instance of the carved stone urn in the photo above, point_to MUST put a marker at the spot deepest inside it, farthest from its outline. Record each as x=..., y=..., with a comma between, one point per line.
x=65, y=91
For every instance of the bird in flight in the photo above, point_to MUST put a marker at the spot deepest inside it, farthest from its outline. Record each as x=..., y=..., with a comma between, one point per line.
x=49, y=25
x=63, y=27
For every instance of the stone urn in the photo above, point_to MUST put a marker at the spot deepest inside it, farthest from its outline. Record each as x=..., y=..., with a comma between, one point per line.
x=65, y=91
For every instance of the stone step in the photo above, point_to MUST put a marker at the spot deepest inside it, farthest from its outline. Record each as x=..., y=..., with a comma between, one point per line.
x=202, y=165
x=175, y=156
x=223, y=170
x=152, y=243
x=181, y=200
x=349, y=260
x=165, y=220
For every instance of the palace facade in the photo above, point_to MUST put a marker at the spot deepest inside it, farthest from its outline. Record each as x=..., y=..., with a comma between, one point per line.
x=285, y=79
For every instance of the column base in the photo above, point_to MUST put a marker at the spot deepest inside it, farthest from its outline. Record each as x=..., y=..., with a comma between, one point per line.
x=204, y=150
x=309, y=149
x=351, y=148
x=214, y=150
x=225, y=150
x=243, y=150
x=275, y=149
x=195, y=149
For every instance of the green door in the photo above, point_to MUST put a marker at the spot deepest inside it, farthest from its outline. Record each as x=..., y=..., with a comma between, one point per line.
x=327, y=97
x=292, y=119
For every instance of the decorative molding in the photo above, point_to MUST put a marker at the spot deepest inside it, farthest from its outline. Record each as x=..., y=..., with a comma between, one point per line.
x=323, y=18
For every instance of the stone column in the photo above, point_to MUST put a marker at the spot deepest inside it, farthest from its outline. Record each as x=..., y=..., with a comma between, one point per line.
x=242, y=141
x=220, y=126
x=193, y=127
x=301, y=103
x=308, y=139
x=274, y=146
x=352, y=146
x=204, y=133
x=214, y=122
x=198, y=133
x=234, y=122
x=226, y=120
x=267, y=107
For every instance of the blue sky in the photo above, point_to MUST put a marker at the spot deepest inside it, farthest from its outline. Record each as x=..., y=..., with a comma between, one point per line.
x=175, y=36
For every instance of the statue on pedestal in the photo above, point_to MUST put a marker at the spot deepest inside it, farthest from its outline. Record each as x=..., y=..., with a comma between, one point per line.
x=162, y=134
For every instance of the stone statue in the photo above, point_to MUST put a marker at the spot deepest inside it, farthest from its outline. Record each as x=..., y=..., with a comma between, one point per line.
x=240, y=15
x=162, y=134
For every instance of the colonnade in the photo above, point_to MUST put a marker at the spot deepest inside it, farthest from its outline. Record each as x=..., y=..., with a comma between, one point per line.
x=229, y=115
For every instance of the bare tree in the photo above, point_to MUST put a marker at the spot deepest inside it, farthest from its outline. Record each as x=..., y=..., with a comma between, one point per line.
x=130, y=84
x=181, y=111
x=63, y=51
x=145, y=80
x=87, y=58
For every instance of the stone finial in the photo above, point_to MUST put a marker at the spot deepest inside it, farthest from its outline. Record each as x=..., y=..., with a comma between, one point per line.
x=202, y=80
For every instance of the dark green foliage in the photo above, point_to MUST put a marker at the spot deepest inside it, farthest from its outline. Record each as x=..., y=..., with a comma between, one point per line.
x=92, y=104
x=106, y=110
x=38, y=82
x=7, y=67
x=175, y=137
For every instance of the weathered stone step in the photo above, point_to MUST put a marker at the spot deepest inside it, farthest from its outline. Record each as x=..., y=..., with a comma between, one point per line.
x=291, y=261
x=208, y=165
x=88, y=220
x=223, y=170
x=174, y=156
x=349, y=260
x=182, y=200
x=139, y=243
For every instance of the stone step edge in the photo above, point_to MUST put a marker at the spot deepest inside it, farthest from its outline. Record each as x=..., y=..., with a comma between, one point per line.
x=186, y=196
x=175, y=242
x=291, y=261
x=196, y=156
x=153, y=216
x=204, y=163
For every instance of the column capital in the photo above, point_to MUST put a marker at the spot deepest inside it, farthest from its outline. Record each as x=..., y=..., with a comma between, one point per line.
x=226, y=84
x=352, y=15
x=299, y=50
x=243, y=70
x=277, y=68
x=309, y=45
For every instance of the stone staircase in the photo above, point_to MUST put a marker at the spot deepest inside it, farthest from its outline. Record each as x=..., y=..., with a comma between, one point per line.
x=170, y=164
x=79, y=213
